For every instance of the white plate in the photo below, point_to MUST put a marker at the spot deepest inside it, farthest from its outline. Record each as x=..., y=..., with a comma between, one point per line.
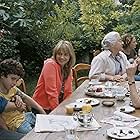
x=126, y=109
x=90, y=101
x=94, y=83
x=75, y=105
x=123, y=133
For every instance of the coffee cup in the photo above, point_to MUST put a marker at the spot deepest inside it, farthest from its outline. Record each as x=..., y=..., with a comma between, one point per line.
x=84, y=118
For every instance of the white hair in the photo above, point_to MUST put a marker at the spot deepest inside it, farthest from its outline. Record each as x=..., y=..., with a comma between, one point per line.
x=109, y=39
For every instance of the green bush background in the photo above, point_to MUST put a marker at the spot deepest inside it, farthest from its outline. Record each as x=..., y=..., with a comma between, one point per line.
x=29, y=29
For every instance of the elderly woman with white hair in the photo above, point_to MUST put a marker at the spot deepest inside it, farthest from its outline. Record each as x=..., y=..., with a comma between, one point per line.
x=111, y=63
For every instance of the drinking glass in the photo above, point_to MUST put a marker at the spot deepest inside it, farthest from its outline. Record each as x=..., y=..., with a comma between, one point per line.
x=95, y=80
x=120, y=93
x=70, y=132
x=108, y=89
x=127, y=101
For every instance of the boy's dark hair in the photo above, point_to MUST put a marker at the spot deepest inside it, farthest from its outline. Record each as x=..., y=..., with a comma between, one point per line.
x=10, y=66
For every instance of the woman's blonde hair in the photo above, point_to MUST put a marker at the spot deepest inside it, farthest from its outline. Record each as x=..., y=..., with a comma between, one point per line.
x=66, y=47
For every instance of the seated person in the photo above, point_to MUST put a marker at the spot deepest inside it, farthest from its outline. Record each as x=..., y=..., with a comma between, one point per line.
x=129, y=45
x=5, y=134
x=10, y=72
x=55, y=82
x=111, y=63
x=132, y=86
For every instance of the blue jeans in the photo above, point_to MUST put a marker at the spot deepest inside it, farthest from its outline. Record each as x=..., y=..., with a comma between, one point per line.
x=28, y=124
x=137, y=77
x=9, y=135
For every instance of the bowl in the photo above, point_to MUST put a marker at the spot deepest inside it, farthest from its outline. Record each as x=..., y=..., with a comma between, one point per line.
x=108, y=103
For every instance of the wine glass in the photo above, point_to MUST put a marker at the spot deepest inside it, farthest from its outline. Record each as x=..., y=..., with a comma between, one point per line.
x=70, y=132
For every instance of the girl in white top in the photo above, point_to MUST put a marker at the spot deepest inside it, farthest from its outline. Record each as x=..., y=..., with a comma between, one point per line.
x=111, y=63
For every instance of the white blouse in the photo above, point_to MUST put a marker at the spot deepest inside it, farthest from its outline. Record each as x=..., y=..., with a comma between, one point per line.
x=106, y=63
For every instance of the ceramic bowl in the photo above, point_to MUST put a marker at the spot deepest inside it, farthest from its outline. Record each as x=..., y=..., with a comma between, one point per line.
x=108, y=103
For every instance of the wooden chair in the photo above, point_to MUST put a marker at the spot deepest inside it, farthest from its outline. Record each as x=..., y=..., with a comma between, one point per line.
x=77, y=68
x=21, y=85
x=96, y=52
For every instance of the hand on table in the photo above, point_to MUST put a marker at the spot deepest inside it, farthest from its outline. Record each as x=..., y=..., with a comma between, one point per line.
x=118, y=78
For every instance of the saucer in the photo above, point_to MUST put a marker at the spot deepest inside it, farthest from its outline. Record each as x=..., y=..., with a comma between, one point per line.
x=123, y=133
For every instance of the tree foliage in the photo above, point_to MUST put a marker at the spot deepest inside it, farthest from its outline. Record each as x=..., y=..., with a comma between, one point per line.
x=30, y=28
x=129, y=22
x=98, y=17
x=23, y=20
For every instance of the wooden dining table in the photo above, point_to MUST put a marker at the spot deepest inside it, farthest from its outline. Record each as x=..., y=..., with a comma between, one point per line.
x=100, y=112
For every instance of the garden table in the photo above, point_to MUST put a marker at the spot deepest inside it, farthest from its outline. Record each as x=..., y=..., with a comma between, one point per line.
x=100, y=112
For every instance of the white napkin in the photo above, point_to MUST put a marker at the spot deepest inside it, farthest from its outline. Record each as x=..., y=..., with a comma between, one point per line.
x=131, y=120
x=125, y=116
x=57, y=123
x=122, y=119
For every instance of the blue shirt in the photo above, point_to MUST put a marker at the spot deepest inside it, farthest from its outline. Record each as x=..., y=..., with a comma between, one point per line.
x=3, y=103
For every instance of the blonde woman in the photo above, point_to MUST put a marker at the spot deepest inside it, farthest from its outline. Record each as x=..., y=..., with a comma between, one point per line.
x=55, y=81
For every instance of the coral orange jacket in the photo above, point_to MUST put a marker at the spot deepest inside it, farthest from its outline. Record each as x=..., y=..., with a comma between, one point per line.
x=49, y=85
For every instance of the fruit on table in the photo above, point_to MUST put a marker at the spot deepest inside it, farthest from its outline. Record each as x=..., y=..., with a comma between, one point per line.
x=95, y=89
x=87, y=108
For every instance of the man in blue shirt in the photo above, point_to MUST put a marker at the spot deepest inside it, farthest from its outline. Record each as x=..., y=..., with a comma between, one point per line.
x=5, y=134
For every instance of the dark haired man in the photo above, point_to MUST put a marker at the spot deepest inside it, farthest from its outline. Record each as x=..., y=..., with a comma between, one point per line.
x=19, y=121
